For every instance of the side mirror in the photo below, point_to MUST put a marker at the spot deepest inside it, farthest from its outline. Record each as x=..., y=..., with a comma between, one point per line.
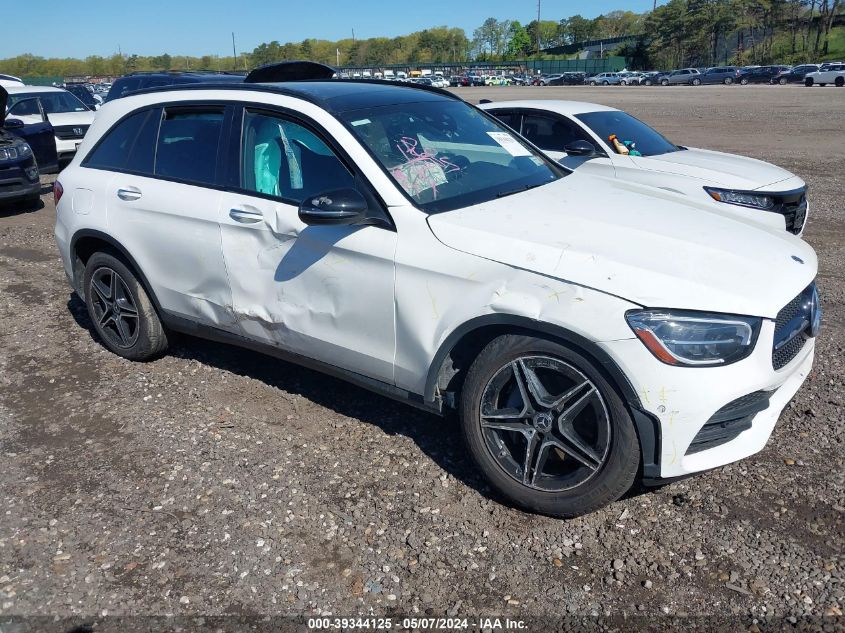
x=13, y=124
x=341, y=206
x=580, y=148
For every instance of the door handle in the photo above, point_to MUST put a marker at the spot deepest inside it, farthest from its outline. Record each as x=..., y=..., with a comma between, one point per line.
x=246, y=215
x=129, y=193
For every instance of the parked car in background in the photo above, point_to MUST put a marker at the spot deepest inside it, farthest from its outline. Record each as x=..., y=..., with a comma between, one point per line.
x=69, y=117
x=683, y=76
x=546, y=80
x=759, y=75
x=476, y=80
x=578, y=135
x=832, y=74
x=652, y=77
x=141, y=80
x=718, y=75
x=86, y=96
x=605, y=79
x=630, y=78
x=589, y=333
x=26, y=151
x=456, y=81
x=794, y=75
x=8, y=81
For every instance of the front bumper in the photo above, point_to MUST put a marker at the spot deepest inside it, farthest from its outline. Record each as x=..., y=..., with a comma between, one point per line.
x=683, y=399
x=15, y=184
x=66, y=148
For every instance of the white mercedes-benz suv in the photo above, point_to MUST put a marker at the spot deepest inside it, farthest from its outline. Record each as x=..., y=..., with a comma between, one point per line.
x=589, y=334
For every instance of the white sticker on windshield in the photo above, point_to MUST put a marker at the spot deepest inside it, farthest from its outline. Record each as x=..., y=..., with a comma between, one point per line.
x=361, y=122
x=511, y=145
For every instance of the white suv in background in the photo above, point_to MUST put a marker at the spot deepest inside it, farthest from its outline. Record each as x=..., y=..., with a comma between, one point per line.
x=69, y=117
x=398, y=237
x=832, y=74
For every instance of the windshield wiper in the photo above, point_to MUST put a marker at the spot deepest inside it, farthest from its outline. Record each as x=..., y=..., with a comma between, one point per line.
x=510, y=192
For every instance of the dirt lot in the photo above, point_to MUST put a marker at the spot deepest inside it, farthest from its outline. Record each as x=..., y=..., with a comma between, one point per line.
x=220, y=481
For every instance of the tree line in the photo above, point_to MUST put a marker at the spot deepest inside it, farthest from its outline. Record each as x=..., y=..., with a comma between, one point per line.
x=675, y=34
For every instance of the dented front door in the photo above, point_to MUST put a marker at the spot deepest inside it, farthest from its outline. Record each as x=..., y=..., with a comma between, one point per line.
x=325, y=292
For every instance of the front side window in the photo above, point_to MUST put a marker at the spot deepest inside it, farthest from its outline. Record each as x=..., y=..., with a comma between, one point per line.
x=188, y=142
x=286, y=160
x=551, y=133
x=646, y=140
x=446, y=154
x=52, y=102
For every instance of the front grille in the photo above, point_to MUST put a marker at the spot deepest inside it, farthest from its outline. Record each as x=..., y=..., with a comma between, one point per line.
x=70, y=132
x=793, y=327
x=792, y=205
x=729, y=421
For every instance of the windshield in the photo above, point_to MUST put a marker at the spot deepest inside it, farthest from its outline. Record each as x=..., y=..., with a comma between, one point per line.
x=53, y=102
x=446, y=155
x=633, y=133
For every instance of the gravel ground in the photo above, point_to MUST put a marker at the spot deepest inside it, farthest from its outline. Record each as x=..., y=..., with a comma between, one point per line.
x=219, y=481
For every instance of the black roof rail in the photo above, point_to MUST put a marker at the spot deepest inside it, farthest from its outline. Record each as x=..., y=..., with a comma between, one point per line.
x=289, y=71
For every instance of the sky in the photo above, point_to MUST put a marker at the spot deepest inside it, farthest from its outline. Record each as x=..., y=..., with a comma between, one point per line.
x=204, y=27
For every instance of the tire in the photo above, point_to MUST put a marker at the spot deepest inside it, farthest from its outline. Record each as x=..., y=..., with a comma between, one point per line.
x=648, y=82
x=696, y=82
x=782, y=81
x=808, y=81
x=112, y=294
x=592, y=83
x=664, y=82
x=579, y=482
x=743, y=82
x=839, y=82
x=605, y=83
x=728, y=81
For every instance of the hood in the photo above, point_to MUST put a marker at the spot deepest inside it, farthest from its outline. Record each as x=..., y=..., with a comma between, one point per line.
x=649, y=250
x=718, y=168
x=85, y=117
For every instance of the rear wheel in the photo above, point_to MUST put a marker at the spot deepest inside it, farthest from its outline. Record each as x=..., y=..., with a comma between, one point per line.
x=592, y=83
x=840, y=81
x=696, y=82
x=808, y=81
x=664, y=82
x=743, y=82
x=648, y=82
x=123, y=315
x=546, y=429
x=605, y=83
x=728, y=81
x=782, y=81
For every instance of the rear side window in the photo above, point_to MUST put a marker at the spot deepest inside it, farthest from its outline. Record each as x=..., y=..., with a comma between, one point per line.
x=188, y=143
x=511, y=119
x=128, y=146
x=550, y=132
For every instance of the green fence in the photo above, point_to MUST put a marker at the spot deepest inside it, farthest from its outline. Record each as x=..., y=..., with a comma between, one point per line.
x=42, y=81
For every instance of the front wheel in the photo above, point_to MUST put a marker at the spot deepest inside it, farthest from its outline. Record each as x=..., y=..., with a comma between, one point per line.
x=592, y=83
x=728, y=81
x=743, y=82
x=546, y=428
x=696, y=82
x=665, y=82
x=839, y=82
x=120, y=309
x=648, y=82
x=605, y=83
x=808, y=81
x=782, y=81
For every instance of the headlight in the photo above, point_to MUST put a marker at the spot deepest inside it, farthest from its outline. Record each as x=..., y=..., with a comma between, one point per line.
x=695, y=338
x=742, y=198
x=24, y=150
